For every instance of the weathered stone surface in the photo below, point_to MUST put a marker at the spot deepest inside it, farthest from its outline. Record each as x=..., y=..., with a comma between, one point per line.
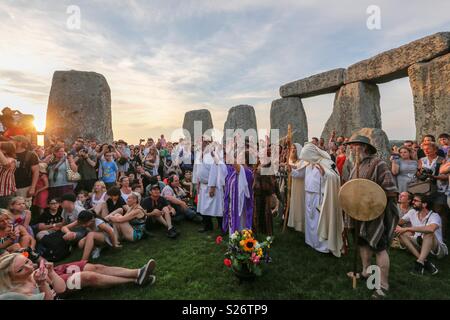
x=378, y=139
x=356, y=105
x=79, y=105
x=393, y=64
x=240, y=117
x=203, y=116
x=430, y=83
x=289, y=111
x=322, y=83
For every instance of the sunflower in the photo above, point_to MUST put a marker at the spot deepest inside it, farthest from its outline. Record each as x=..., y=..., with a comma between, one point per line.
x=249, y=244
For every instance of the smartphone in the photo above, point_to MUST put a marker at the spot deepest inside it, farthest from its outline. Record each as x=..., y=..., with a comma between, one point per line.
x=42, y=266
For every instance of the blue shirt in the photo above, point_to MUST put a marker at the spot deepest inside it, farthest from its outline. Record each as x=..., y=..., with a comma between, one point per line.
x=109, y=172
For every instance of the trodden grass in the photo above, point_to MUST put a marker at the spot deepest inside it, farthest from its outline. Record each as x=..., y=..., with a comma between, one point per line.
x=191, y=267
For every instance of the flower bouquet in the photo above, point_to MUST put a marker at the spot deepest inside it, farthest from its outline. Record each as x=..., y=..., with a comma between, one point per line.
x=245, y=254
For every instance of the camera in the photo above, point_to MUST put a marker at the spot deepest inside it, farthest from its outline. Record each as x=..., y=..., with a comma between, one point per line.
x=424, y=174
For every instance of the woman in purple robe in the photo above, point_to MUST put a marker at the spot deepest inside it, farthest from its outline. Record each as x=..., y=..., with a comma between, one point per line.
x=238, y=201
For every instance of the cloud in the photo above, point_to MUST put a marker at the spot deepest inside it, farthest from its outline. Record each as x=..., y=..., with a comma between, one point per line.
x=163, y=58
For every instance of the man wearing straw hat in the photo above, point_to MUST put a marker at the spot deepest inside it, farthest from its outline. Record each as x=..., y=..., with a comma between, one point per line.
x=374, y=236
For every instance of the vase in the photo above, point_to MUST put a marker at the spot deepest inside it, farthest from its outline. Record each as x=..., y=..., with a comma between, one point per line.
x=244, y=274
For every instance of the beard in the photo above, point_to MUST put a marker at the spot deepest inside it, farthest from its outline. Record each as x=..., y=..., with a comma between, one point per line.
x=352, y=156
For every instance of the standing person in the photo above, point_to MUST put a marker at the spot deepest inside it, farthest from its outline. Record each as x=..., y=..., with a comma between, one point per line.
x=27, y=169
x=444, y=142
x=57, y=173
x=108, y=168
x=86, y=163
x=374, y=237
x=7, y=168
x=238, y=198
x=41, y=197
x=340, y=158
x=210, y=176
x=151, y=162
x=321, y=215
x=297, y=202
x=123, y=163
x=265, y=187
x=403, y=168
x=432, y=162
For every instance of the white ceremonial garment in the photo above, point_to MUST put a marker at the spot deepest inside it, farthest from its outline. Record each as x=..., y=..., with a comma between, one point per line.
x=210, y=174
x=313, y=196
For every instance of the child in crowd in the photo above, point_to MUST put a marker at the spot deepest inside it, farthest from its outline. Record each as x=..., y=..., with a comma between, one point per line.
x=20, y=215
x=83, y=200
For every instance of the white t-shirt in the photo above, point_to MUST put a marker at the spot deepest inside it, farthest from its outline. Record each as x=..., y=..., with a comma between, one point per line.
x=431, y=218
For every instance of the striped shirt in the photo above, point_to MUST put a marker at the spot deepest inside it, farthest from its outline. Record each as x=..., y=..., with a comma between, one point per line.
x=7, y=180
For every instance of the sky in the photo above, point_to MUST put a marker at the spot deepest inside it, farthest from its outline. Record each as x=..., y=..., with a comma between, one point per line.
x=164, y=58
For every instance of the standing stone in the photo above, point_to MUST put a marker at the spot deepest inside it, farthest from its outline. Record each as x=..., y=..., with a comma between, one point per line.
x=378, y=139
x=240, y=117
x=289, y=111
x=430, y=84
x=356, y=105
x=394, y=64
x=79, y=105
x=203, y=116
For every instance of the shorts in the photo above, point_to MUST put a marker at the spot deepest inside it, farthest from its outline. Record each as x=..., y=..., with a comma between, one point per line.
x=441, y=250
x=138, y=232
x=65, y=271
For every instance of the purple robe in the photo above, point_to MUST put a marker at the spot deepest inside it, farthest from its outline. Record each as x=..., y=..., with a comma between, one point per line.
x=231, y=218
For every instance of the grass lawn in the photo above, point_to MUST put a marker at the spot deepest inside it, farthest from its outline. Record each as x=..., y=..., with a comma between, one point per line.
x=191, y=267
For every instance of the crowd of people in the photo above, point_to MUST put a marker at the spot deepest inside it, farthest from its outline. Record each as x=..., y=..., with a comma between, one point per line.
x=91, y=195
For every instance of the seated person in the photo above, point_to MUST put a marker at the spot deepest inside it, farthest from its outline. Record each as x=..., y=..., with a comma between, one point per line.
x=23, y=281
x=129, y=222
x=155, y=180
x=70, y=214
x=424, y=236
x=50, y=221
x=83, y=200
x=158, y=209
x=99, y=234
x=13, y=238
x=177, y=198
x=187, y=184
x=114, y=202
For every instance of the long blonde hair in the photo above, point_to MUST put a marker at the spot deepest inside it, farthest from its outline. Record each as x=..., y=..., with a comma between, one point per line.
x=6, y=263
x=100, y=183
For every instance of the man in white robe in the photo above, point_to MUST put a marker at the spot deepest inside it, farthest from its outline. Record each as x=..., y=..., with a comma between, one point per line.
x=209, y=174
x=322, y=213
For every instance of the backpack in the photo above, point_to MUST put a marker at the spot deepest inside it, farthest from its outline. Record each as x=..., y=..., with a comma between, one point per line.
x=53, y=247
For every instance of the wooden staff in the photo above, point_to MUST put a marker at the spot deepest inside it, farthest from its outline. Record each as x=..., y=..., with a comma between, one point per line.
x=356, y=231
x=288, y=202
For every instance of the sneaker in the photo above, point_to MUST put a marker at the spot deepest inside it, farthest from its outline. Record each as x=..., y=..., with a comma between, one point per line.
x=145, y=272
x=379, y=294
x=171, y=233
x=431, y=268
x=418, y=268
x=96, y=253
